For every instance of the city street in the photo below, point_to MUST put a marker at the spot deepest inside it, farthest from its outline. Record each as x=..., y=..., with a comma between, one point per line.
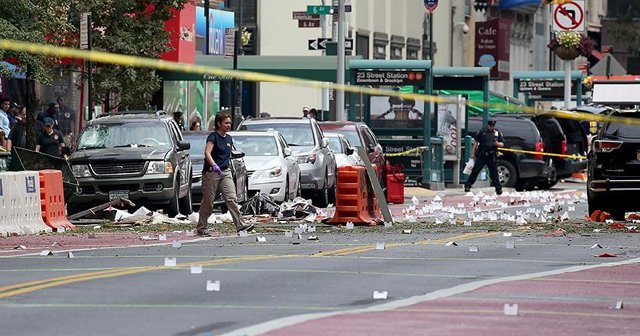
x=291, y=286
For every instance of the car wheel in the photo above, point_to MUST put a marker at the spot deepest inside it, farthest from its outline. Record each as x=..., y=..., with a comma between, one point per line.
x=550, y=182
x=186, y=204
x=173, y=208
x=332, y=191
x=322, y=198
x=507, y=173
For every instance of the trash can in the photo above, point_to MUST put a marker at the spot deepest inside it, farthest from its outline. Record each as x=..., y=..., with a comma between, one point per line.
x=395, y=184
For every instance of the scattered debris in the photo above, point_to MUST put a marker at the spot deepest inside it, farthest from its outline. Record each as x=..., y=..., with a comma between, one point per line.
x=380, y=246
x=511, y=245
x=511, y=309
x=619, y=304
x=473, y=248
x=312, y=238
x=170, y=262
x=213, y=286
x=196, y=269
x=607, y=255
x=381, y=295
x=406, y=231
x=70, y=255
x=46, y=253
x=20, y=247
x=451, y=243
x=261, y=239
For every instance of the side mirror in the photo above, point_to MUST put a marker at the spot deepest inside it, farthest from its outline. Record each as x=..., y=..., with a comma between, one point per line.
x=324, y=143
x=287, y=152
x=350, y=150
x=184, y=145
x=236, y=154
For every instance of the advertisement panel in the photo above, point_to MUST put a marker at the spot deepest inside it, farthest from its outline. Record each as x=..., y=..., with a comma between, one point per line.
x=451, y=121
x=492, y=47
x=218, y=21
x=395, y=112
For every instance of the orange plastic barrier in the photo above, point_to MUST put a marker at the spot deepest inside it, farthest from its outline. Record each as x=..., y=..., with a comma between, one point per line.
x=52, y=200
x=395, y=184
x=355, y=201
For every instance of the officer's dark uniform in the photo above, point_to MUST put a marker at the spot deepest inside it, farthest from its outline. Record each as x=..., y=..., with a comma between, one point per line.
x=487, y=154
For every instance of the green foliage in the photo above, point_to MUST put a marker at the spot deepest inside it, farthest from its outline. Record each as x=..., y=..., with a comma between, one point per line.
x=131, y=27
x=627, y=30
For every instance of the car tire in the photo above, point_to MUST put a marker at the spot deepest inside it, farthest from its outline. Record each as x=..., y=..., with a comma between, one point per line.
x=507, y=173
x=550, y=182
x=322, y=197
x=186, y=204
x=173, y=208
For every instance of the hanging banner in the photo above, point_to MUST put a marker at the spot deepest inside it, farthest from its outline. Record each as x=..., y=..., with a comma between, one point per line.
x=492, y=47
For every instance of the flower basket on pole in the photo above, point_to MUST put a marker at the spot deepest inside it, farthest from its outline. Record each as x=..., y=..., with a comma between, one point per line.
x=568, y=45
x=566, y=53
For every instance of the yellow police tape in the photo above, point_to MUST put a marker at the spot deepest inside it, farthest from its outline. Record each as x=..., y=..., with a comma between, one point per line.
x=416, y=151
x=150, y=63
x=567, y=156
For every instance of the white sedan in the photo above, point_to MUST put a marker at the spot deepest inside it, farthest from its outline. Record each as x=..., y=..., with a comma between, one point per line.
x=345, y=154
x=271, y=167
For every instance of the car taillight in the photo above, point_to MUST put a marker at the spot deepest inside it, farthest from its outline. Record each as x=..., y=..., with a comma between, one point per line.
x=539, y=148
x=606, y=146
x=563, y=147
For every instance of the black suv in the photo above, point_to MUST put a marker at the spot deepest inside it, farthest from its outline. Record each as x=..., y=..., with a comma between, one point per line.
x=522, y=171
x=139, y=155
x=560, y=136
x=613, y=174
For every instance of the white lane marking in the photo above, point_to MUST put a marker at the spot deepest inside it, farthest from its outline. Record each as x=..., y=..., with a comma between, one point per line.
x=442, y=293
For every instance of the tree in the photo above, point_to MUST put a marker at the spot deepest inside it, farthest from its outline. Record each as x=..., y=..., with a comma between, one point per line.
x=131, y=27
x=32, y=21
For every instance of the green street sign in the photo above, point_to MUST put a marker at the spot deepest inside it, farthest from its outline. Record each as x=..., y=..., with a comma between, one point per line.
x=320, y=10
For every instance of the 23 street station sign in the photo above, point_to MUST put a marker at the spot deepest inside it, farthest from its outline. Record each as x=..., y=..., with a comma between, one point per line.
x=544, y=88
x=390, y=77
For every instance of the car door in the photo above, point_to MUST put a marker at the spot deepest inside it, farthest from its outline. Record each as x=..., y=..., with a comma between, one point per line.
x=183, y=161
x=328, y=154
x=292, y=164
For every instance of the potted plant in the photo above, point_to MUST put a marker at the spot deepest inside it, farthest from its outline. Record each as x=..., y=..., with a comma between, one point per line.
x=568, y=45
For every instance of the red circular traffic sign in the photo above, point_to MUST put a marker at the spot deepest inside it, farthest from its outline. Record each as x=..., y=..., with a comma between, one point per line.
x=571, y=10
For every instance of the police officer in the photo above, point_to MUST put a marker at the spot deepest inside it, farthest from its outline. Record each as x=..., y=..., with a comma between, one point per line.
x=485, y=152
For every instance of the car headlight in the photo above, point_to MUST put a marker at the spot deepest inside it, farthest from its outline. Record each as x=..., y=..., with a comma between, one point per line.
x=311, y=158
x=160, y=167
x=81, y=170
x=270, y=173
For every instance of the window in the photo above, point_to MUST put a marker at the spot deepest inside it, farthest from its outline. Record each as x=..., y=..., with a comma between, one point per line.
x=362, y=45
x=413, y=48
x=397, y=44
x=380, y=42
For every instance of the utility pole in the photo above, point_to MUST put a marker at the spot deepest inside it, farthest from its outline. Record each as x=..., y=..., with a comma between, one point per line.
x=340, y=113
x=325, y=91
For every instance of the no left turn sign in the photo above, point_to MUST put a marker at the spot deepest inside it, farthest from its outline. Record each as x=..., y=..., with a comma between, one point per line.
x=569, y=16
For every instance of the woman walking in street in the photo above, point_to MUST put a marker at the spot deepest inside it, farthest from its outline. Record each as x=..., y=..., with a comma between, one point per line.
x=216, y=175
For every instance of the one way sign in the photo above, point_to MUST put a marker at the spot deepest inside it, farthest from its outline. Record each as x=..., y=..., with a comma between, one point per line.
x=318, y=44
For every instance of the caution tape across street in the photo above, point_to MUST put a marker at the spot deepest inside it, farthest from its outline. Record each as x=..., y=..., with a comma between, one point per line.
x=566, y=156
x=156, y=64
x=415, y=151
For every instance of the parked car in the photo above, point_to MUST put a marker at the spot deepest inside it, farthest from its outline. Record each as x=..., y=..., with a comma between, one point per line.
x=560, y=136
x=271, y=166
x=238, y=169
x=311, y=149
x=138, y=155
x=345, y=154
x=519, y=170
x=359, y=134
x=613, y=174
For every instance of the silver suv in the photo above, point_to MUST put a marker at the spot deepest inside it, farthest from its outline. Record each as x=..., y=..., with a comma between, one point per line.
x=311, y=149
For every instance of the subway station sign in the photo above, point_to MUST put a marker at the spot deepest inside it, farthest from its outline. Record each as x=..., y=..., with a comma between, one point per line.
x=390, y=77
x=544, y=88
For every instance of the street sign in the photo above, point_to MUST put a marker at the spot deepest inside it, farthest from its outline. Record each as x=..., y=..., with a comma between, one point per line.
x=229, y=42
x=569, y=16
x=390, y=77
x=318, y=44
x=348, y=44
x=84, y=30
x=308, y=23
x=544, y=88
x=431, y=5
x=305, y=16
x=320, y=10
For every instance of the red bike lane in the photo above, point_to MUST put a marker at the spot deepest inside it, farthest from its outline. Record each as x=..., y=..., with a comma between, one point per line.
x=579, y=302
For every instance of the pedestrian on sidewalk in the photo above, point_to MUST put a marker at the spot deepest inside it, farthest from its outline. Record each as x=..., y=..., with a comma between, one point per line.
x=216, y=176
x=485, y=152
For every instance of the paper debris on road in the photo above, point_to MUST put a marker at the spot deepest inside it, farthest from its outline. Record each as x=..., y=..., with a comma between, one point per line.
x=162, y=237
x=511, y=245
x=507, y=234
x=380, y=246
x=451, y=243
x=312, y=238
x=196, y=269
x=406, y=231
x=511, y=309
x=169, y=262
x=261, y=239
x=213, y=286
x=473, y=248
x=46, y=253
x=619, y=304
x=349, y=225
x=382, y=295
x=596, y=246
x=70, y=255
x=177, y=244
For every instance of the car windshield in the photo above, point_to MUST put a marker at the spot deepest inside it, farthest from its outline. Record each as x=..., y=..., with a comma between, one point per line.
x=132, y=134
x=295, y=134
x=352, y=136
x=623, y=131
x=197, y=144
x=256, y=145
x=334, y=144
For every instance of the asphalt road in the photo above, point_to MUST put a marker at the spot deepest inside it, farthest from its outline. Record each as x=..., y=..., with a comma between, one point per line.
x=127, y=291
